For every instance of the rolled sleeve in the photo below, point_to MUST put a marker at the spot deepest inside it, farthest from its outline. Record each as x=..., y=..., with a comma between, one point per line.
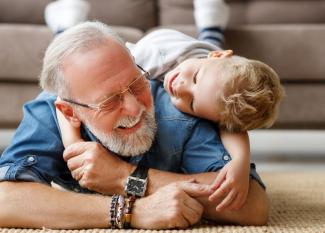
x=204, y=151
x=35, y=153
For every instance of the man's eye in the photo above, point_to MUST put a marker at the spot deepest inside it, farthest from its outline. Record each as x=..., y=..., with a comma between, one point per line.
x=138, y=89
x=111, y=103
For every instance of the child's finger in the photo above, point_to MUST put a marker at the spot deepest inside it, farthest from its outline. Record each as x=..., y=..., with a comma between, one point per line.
x=195, y=189
x=220, y=192
x=75, y=149
x=220, y=178
x=227, y=201
x=76, y=162
x=77, y=173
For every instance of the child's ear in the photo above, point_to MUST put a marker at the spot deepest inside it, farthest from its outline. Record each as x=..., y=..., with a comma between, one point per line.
x=220, y=54
x=68, y=112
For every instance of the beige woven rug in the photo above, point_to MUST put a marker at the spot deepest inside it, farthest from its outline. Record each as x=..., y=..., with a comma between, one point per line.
x=297, y=205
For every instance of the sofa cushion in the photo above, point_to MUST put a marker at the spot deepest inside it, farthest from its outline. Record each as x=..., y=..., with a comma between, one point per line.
x=22, y=11
x=249, y=11
x=294, y=51
x=303, y=106
x=22, y=49
x=12, y=98
x=276, y=11
x=139, y=14
x=173, y=12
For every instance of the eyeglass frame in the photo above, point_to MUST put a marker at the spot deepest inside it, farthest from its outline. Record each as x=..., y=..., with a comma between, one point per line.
x=98, y=107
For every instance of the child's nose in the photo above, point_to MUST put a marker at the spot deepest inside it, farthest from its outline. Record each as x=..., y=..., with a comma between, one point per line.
x=182, y=88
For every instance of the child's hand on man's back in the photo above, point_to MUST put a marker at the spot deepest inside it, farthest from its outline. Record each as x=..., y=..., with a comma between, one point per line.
x=231, y=186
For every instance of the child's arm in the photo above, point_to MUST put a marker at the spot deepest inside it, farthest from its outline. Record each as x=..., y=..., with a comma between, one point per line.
x=69, y=134
x=232, y=182
x=237, y=145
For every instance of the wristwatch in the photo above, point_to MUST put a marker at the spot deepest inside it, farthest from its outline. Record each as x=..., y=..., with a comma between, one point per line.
x=136, y=183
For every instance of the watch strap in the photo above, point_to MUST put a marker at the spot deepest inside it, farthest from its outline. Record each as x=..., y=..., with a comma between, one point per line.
x=140, y=172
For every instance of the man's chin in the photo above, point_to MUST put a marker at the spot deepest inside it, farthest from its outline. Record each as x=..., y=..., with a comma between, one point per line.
x=131, y=144
x=135, y=142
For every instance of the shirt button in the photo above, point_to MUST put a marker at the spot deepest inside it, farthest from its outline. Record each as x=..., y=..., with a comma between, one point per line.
x=30, y=159
x=226, y=157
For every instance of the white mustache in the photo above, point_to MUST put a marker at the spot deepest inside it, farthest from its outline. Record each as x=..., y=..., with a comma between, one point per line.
x=128, y=121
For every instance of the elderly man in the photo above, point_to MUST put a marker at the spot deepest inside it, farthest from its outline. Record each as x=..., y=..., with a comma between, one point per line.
x=151, y=154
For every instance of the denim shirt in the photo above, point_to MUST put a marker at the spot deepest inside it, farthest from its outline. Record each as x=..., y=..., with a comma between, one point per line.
x=183, y=144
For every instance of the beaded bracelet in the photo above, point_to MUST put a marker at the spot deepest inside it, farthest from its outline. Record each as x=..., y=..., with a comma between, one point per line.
x=112, y=211
x=120, y=212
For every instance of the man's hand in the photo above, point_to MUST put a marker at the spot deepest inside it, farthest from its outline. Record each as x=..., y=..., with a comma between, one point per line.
x=231, y=186
x=95, y=168
x=172, y=206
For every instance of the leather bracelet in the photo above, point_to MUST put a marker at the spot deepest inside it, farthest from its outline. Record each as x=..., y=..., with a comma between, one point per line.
x=128, y=211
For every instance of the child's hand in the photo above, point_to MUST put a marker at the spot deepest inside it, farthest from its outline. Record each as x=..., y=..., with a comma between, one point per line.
x=231, y=186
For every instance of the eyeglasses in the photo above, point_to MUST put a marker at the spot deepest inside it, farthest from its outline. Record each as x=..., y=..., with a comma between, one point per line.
x=113, y=102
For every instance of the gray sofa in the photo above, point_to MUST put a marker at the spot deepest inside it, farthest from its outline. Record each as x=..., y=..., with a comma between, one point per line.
x=287, y=34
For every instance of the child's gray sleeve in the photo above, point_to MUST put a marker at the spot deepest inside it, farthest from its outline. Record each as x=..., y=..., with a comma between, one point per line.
x=163, y=49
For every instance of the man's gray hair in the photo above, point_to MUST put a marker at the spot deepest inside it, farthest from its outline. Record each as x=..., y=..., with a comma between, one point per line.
x=82, y=36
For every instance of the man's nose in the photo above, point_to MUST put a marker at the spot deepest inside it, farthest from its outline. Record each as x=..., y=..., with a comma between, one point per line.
x=131, y=105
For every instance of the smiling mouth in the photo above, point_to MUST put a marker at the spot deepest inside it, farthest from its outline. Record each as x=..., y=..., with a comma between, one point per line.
x=129, y=129
x=130, y=124
x=170, y=86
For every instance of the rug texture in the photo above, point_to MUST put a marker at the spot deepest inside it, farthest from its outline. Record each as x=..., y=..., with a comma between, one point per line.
x=297, y=205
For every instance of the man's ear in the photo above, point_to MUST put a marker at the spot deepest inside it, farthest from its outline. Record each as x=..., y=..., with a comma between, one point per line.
x=67, y=112
x=220, y=54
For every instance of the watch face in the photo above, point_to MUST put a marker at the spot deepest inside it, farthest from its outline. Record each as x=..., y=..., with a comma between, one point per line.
x=136, y=186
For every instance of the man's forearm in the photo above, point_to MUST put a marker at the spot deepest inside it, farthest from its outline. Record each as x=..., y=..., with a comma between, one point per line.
x=33, y=205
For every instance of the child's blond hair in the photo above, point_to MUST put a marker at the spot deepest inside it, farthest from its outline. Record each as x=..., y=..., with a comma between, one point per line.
x=251, y=95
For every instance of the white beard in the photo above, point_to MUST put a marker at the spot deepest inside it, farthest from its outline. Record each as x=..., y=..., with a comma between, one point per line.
x=135, y=143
